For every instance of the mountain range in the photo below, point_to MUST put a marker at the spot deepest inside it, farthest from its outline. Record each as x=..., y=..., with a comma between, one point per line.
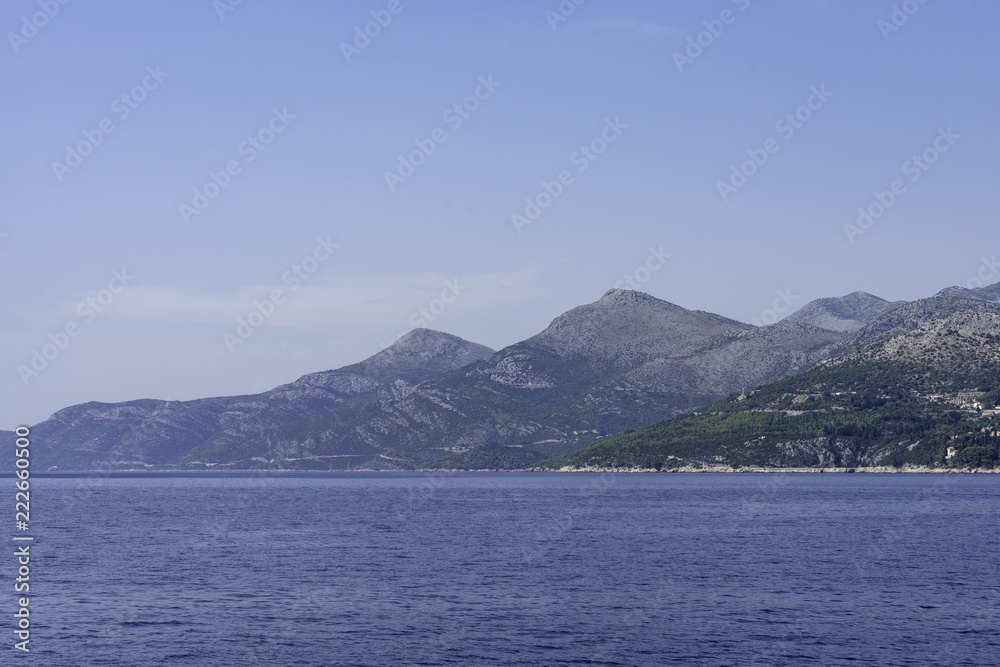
x=918, y=388
x=431, y=399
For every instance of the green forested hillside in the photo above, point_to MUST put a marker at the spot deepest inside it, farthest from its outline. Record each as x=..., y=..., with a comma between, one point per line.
x=903, y=401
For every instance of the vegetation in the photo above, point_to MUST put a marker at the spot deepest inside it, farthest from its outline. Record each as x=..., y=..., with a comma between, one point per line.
x=872, y=413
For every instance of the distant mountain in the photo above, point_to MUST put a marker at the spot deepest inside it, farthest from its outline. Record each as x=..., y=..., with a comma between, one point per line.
x=987, y=293
x=900, y=394
x=628, y=328
x=419, y=355
x=844, y=313
x=621, y=362
x=436, y=401
x=150, y=432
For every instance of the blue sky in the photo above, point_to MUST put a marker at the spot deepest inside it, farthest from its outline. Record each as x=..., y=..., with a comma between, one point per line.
x=642, y=138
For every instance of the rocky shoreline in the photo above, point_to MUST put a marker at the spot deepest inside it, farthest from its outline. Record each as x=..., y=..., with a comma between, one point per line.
x=757, y=469
x=682, y=469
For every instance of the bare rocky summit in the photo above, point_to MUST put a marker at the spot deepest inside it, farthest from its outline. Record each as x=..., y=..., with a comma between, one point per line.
x=626, y=328
x=987, y=293
x=844, y=313
x=419, y=355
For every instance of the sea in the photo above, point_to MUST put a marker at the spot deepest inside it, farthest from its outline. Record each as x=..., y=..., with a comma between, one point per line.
x=400, y=568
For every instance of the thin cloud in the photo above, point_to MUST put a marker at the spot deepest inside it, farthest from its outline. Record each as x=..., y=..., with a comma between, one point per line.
x=323, y=300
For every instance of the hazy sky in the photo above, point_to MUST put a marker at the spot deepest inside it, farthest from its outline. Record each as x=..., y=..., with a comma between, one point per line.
x=171, y=168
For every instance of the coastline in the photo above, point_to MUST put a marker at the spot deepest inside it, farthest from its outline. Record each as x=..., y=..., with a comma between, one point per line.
x=876, y=470
x=756, y=469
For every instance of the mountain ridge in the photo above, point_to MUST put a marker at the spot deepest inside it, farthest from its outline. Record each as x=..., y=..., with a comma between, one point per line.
x=623, y=362
x=919, y=395
x=847, y=313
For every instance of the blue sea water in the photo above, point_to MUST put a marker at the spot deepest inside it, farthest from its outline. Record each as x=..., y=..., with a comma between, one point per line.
x=515, y=569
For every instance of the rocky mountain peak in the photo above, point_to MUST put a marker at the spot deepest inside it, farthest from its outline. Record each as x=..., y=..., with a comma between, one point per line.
x=633, y=327
x=986, y=293
x=627, y=297
x=847, y=313
x=420, y=354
